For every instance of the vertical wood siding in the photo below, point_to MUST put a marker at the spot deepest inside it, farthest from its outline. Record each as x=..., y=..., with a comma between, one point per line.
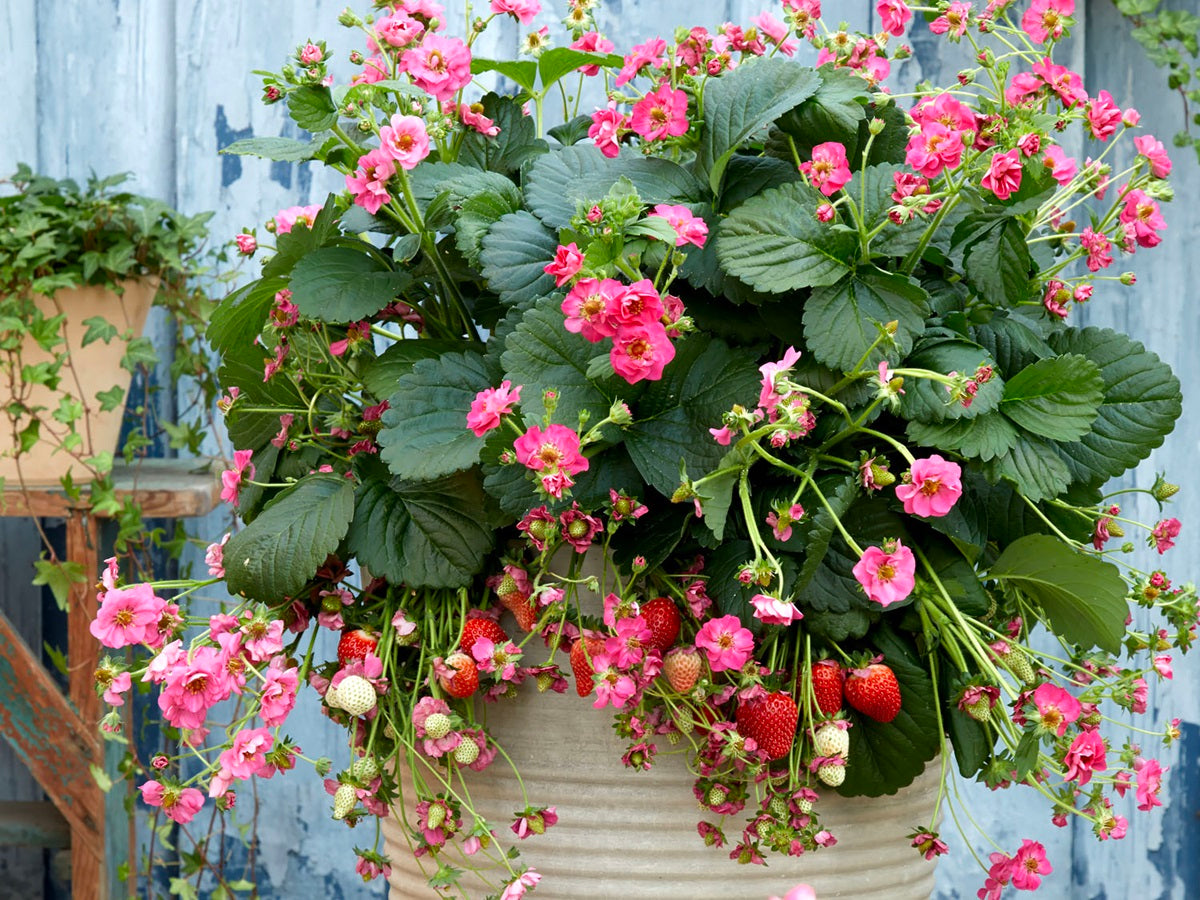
x=158, y=88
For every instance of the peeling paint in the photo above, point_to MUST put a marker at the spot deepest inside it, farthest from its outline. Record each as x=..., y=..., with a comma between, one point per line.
x=231, y=166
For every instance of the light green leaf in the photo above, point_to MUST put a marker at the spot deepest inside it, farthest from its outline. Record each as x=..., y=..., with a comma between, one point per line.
x=556, y=62
x=280, y=149
x=1057, y=398
x=282, y=548
x=426, y=434
x=745, y=101
x=98, y=329
x=523, y=72
x=774, y=243
x=842, y=321
x=311, y=107
x=343, y=284
x=1083, y=597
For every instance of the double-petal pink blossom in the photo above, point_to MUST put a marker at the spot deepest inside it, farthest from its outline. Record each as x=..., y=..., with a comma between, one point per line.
x=934, y=488
x=725, y=643
x=888, y=573
x=490, y=405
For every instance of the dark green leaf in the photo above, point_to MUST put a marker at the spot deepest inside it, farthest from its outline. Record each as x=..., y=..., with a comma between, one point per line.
x=842, y=321
x=1083, y=597
x=516, y=144
x=958, y=577
x=816, y=529
x=342, y=284
x=998, y=265
x=311, y=107
x=1011, y=342
x=523, y=72
x=239, y=318
x=571, y=132
x=746, y=176
x=514, y=254
x=833, y=601
x=1033, y=466
x=282, y=548
x=1057, y=398
x=556, y=62
x=834, y=113
x=744, y=102
x=382, y=373
x=477, y=215
x=983, y=437
x=426, y=434
x=929, y=401
x=1141, y=404
x=774, y=243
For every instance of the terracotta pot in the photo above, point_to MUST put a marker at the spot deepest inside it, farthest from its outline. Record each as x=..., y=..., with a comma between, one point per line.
x=96, y=367
x=629, y=835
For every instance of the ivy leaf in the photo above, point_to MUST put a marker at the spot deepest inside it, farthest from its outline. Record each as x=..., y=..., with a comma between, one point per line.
x=425, y=432
x=311, y=107
x=1057, y=398
x=432, y=534
x=842, y=321
x=746, y=101
x=98, y=329
x=342, y=284
x=1083, y=597
x=283, y=547
x=513, y=257
x=558, y=182
x=774, y=243
x=1142, y=402
x=888, y=756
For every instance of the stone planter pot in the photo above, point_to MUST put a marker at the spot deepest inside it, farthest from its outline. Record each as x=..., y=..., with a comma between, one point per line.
x=625, y=835
x=96, y=367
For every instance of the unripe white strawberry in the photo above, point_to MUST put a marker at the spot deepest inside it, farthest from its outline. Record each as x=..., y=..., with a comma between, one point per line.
x=804, y=805
x=829, y=740
x=331, y=698
x=356, y=695
x=437, y=726
x=466, y=752
x=344, y=801
x=1018, y=663
x=365, y=769
x=436, y=816
x=717, y=795
x=681, y=668
x=980, y=710
x=832, y=774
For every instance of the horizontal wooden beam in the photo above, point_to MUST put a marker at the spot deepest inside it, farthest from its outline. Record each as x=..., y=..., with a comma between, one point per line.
x=48, y=735
x=164, y=488
x=33, y=824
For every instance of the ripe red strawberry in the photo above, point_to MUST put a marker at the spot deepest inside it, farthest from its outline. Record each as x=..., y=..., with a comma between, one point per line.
x=771, y=721
x=662, y=617
x=581, y=665
x=827, y=682
x=474, y=629
x=874, y=692
x=355, y=643
x=465, y=680
x=522, y=606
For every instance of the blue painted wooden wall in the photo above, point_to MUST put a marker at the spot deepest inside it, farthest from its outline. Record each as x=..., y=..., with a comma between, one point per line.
x=157, y=88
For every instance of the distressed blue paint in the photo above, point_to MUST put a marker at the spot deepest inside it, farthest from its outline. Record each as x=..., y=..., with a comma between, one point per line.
x=1179, y=861
x=231, y=166
x=281, y=172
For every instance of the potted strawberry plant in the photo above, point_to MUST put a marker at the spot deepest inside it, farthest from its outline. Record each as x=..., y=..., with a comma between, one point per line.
x=736, y=434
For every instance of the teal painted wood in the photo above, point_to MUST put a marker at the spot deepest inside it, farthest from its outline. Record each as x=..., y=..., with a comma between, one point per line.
x=180, y=76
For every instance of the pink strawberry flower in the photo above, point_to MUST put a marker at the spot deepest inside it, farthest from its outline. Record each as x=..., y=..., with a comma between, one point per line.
x=439, y=66
x=490, y=405
x=128, y=617
x=523, y=11
x=774, y=611
x=278, y=695
x=499, y=658
x=398, y=30
x=1062, y=167
x=368, y=182
x=578, y=528
x=894, y=16
x=1046, y=19
x=1003, y=176
x=1029, y=865
x=1085, y=756
x=725, y=643
x=776, y=32
x=641, y=56
x=627, y=647
x=1153, y=151
x=1163, y=535
x=567, y=263
x=179, y=804
x=534, y=821
x=641, y=352
x=829, y=169
x=1057, y=708
x=1067, y=84
x=248, y=753
x=934, y=148
x=660, y=114
x=1103, y=116
x=590, y=307
x=374, y=70
x=781, y=522
x=1149, y=783
x=555, y=449
x=287, y=219
x=933, y=488
x=472, y=116
x=998, y=877
x=613, y=685
x=246, y=244
x=192, y=687
x=1098, y=247
x=233, y=479
x=800, y=891
x=119, y=685
x=689, y=227
x=606, y=129
x=768, y=397
x=954, y=20
x=516, y=889
x=1141, y=217
x=1162, y=665
x=405, y=140
x=592, y=42
x=887, y=573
